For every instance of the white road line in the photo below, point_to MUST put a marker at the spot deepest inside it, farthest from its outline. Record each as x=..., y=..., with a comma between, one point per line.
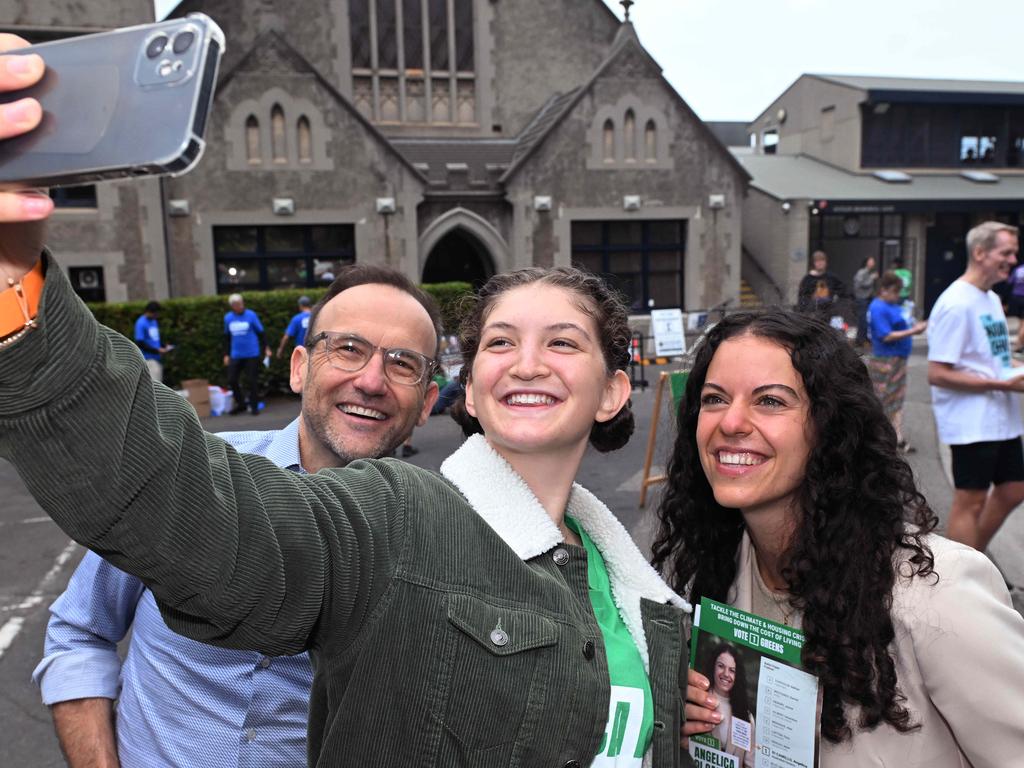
x=27, y=521
x=9, y=631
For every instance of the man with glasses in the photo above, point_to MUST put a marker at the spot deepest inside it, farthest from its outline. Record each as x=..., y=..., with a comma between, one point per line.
x=364, y=374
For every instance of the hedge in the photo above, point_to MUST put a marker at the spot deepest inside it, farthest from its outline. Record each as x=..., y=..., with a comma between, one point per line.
x=195, y=326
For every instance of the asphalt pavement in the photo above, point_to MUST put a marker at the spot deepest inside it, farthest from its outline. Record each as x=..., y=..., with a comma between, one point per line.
x=36, y=558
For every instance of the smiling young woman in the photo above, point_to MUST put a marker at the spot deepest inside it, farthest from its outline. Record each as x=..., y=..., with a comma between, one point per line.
x=788, y=497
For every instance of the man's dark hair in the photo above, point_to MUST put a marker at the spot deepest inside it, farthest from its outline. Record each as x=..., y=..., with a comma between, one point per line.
x=369, y=274
x=153, y=306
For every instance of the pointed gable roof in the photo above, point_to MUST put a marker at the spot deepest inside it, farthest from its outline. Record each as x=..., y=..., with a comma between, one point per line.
x=270, y=52
x=626, y=50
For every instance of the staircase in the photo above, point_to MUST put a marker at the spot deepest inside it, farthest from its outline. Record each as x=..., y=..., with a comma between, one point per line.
x=748, y=299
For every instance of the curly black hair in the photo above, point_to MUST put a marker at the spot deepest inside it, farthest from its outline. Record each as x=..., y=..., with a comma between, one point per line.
x=739, y=699
x=595, y=299
x=859, y=513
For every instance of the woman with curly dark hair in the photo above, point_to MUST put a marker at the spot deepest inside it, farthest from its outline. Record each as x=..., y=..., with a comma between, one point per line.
x=787, y=497
x=723, y=668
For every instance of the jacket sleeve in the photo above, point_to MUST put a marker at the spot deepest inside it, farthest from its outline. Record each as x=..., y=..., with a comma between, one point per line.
x=237, y=551
x=969, y=644
x=86, y=623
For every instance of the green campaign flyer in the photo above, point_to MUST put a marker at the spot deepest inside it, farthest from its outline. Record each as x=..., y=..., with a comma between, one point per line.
x=771, y=707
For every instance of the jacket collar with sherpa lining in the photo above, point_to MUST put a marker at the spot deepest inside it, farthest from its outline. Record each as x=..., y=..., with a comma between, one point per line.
x=503, y=499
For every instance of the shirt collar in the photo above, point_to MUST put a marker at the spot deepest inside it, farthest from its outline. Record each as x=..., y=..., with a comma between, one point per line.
x=284, y=447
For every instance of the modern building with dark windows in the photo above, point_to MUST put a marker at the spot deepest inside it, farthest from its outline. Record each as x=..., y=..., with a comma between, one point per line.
x=894, y=168
x=450, y=139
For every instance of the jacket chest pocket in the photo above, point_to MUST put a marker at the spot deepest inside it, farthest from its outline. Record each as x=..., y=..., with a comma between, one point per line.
x=498, y=664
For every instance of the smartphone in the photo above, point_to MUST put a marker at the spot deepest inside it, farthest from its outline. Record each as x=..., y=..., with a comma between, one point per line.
x=129, y=102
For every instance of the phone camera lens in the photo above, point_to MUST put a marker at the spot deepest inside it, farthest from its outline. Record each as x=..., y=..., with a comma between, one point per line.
x=156, y=46
x=183, y=41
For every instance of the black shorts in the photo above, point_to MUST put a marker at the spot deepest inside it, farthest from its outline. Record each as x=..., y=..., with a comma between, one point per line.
x=1016, y=306
x=976, y=466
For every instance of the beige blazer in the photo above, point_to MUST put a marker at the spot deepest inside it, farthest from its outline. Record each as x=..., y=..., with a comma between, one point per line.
x=959, y=652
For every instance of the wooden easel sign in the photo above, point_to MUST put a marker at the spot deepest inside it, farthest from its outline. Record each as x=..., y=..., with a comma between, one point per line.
x=677, y=387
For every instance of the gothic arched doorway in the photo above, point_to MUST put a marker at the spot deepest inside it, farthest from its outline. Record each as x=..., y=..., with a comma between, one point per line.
x=458, y=256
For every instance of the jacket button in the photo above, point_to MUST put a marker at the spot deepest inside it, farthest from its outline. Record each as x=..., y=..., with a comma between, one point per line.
x=498, y=637
x=572, y=764
x=560, y=556
x=588, y=650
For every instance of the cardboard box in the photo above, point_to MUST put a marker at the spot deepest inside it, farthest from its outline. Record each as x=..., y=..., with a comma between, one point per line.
x=198, y=391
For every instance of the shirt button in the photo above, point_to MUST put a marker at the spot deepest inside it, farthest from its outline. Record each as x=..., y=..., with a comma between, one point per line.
x=560, y=556
x=572, y=764
x=588, y=650
x=250, y=734
x=498, y=637
x=265, y=662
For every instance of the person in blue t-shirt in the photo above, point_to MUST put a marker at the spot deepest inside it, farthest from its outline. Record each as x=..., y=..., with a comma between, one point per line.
x=147, y=336
x=243, y=340
x=297, y=327
x=891, y=344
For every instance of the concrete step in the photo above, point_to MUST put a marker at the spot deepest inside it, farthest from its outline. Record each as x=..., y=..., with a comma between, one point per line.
x=748, y=299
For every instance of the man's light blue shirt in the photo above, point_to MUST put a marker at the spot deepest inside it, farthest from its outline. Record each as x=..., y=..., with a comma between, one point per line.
x=180, y=703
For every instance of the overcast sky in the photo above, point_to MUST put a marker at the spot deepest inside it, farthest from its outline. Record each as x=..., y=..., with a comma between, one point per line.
x=730, y=58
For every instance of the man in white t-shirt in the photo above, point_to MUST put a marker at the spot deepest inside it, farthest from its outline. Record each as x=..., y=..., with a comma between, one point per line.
x=974, y=391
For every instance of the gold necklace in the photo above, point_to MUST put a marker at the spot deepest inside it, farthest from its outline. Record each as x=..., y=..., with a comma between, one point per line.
x=780, y=602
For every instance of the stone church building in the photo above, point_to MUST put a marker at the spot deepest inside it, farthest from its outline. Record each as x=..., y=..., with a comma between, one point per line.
x=450, y=139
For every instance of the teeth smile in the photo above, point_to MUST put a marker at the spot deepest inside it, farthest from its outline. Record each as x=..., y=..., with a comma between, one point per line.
x=358, y=410
x=529, y=398
x=745, y=459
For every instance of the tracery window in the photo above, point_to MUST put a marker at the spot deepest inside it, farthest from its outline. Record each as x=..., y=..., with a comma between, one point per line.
x=413, y=61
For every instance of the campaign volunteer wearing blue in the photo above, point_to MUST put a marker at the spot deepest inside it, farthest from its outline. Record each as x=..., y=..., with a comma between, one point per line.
x=147, y=336
x=891, y=344
x=243, y=340
x=297, y=326
x=450, y=617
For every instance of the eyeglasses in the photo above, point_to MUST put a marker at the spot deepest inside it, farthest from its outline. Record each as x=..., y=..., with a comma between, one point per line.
x=350, y=353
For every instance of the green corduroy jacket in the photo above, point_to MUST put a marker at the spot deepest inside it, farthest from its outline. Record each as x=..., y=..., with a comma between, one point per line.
x=448, y=623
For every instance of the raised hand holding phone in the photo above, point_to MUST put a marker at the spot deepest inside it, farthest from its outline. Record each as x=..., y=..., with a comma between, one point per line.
x=21, y=212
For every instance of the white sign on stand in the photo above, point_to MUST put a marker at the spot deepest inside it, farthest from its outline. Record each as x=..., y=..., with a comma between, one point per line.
x=667, y=326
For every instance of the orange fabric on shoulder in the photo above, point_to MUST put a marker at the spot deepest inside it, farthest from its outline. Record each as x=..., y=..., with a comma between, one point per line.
x=12, y=317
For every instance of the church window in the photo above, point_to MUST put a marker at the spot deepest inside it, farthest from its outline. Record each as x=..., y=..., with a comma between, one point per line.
x=252, y=140
x=629, y=135
x=305, y=137
x=651, y=142
x=277, y=137
x=413, y=61
x=609, y=141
